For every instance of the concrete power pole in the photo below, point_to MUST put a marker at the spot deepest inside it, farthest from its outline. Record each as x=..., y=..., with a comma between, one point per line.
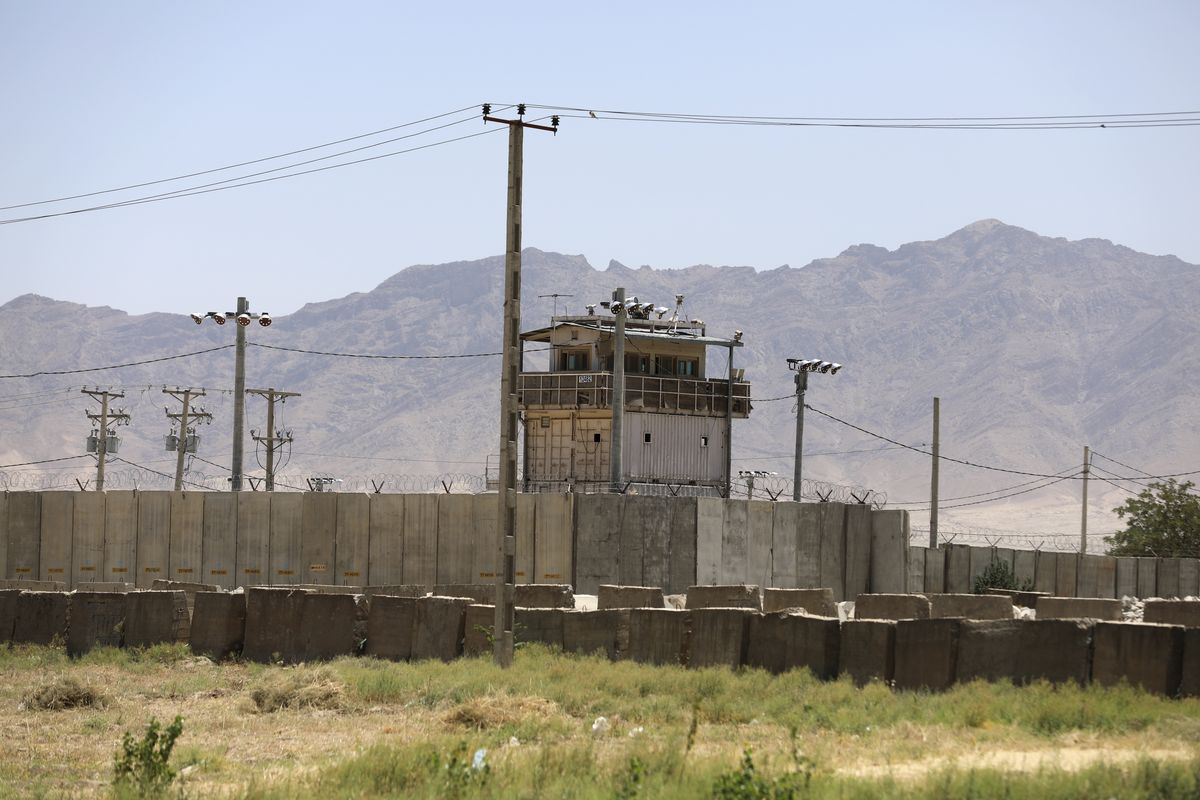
x=272, y=436
x=618, y=389
x=104, y=419
x=184, y=418
x=1087, y=469
x=239, y=396
x=933, y=480
x=801, y=388
x=506, y=528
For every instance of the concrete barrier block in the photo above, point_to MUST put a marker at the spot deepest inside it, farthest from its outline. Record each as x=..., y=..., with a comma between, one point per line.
x=478, y=623
x=926, y=653
x=867, y=650
x=981, y=559
x=544, y=625
x=1167, y=579
x=958, y=568
x=916, y=570
x=724, y=596
x=815, y=601
x=970, y=606
x=719, y=637
x=859, y=556
x=1019, y=597
x=482, y=593
x=21, y=584
x=218, y=624
x=1145, y=655
x=543, y=595
x=1189, y=685
x=1055, y=650
x=1088, y=579
x=1189, y=577
x=440, y=628
x=629, y=597
x=988, y=650
x=1173, y=612
x=106, y=586
x=94, y=619
x=8, y=613
x=41, y=617
x=156, y=617
x=891, y=606
x=1147, y=577
x=785, y=641
x=397, y=590
x=1106, y=577
x=1046, y=576
x=1066, y=582
x=273, y=624
x=1127, y=577
x=935, y=569
x=1025, y=567
x=1078, y=608
x=605, y=630
x=659, y=636
x=391, y=624
x=331, y=625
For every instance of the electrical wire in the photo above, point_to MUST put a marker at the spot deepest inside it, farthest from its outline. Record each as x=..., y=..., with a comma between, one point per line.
x=387, y=357
x=163, y=474
x=978, y=494
x=43, y=461
x=120, y=366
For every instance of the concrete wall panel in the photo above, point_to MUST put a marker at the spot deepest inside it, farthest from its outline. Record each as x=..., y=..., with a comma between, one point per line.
x=153, y=537
x=455, y=539
x=735, y=556
x=916, y=569
x=858, y=534
x=981, y=557
x=219, y=550
x=4, y=534
x=833, y=549
x=935, y=570
x=253, y=559
x=87, y=544
x=57, y=524
x=420, y=539
x=526, y=537
x=1106, y=577
x=554, y=538
x=120, y=536
x=597, y=538
x=1147, y=577
x=682, y=571
x=1189, y=577
x=187, y=537
x=318, y=537
x=387, y=540
x=1167, y=582
x=631, y=541
x=657, y=513
x=1046, y=578
x=958, y=568
x=1066, y=583
x=1005, y=554
x=1088, y=582
x=808, y=546
x=710, y=514
x=1025, y=567
x=760, y=517
x=353, y=539
x=889, y=551
x=485, y=510
x=1127, y=577
x=785, y=529
x=24, y=535
x=287, y=524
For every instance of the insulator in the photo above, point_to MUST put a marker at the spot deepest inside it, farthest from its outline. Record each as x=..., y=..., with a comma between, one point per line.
x=520, y=109
x=487, y=109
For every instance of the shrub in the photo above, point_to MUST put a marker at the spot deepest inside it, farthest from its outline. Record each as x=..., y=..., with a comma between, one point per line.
x=144, y=767
x=999, y=575
x=63, y=693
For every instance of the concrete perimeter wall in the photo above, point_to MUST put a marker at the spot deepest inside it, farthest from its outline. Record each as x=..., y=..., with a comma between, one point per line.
x=953, y=568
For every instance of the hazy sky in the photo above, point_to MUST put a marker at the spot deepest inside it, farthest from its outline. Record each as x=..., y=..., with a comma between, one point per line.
x=98, y=95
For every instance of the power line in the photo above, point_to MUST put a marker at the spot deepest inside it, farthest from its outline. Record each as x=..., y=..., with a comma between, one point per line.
x=371, y=355
x=242, y=163
x=119, y=366
x=156, y=472
x=1012, y=494
x=978, y=494
x=43, y=461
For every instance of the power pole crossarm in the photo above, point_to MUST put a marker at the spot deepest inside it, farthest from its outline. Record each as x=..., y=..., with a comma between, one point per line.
x=273, y=437
x=104, y=419
x=185, y=418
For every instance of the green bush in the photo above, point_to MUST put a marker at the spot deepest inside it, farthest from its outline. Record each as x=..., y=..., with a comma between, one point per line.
x=999, y=575
x=143, y=768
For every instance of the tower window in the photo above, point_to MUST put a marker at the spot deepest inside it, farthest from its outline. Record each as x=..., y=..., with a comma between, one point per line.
x=704, y=441
x=596, y=438
x=646, y=437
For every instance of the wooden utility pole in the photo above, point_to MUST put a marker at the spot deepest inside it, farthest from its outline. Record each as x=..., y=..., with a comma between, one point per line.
x=933, y=480
x=104, y=419
x=184, y=418
x=272, y=436
x=506, y=528
x=1087, y=469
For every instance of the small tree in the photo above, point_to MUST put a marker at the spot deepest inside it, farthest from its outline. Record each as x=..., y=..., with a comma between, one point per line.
x=1163, y=521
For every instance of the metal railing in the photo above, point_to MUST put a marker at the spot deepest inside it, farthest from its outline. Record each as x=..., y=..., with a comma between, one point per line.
x=594, y=390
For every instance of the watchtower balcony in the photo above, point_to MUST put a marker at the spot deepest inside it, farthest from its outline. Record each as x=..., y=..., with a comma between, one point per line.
x=571, y=390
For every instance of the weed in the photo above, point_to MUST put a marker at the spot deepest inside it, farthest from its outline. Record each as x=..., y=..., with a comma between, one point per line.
x=63, y=693
x=999, y=575
x=299, y=689
x=630, y=785
x=143, y=768
x=745, y=783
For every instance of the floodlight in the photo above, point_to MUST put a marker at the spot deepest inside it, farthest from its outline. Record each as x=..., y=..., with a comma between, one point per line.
x=264, y=319
x=833, y=368
x=792, y=362
x=661, y=311
x=823, y=367
x=197, y=318
x=217, y=317
x=616, y=307
x=243, y=319
x=591, y=309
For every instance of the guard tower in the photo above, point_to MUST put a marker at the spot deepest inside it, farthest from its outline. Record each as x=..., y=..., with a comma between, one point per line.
x=677, y=422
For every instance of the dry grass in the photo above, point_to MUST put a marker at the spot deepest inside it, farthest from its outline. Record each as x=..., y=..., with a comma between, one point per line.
x=299, y=689
x=497, y=711
x=62, y=693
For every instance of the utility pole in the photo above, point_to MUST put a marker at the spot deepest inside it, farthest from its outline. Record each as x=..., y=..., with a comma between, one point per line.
x=620, y=314
x=802, y=367
x=273, y=435
x=104, y=419
x=933, y=481
x=184, y=418
x=506, y=529
x=1087, y=469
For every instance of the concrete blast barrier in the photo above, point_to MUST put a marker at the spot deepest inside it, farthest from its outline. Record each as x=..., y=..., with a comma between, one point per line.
x=317, y=537
x=831, y=524
x=916, y=570
x=1025, y=567
x=1167, y=584
x=1127, y=577
x=597, y=541
x=656, y=518
x=24, y=535
x=785, y=527
x=95, y=619
x=187, y=536
x=156, y=617
x=331, y=625
x=41, y=617
x=1145, y=655
x=892, y=606
x=710, y=513
x=958, y=569
x=760, y=523
x=542, y=625
x=970, y=606
x=935, y=570
x=391, y=626
x=1066, y=582
x=253, y=562
x=525, y=520
x=219, y=549
x=605, y=631
x=1189, y=685
x=659, y=636
x=724, y=596
x=735, y=544
x=554, y=526
x=287, y=522
x=630, y=597
x=153, y=537
x=1173, y=612
x=926, y=653
x=4, y=535
x=8, y=613
x=353, y=544
x=889, y=551
x=58, y=512
x=719, y=637
x=1078, y=608
x=218, y=624
x=808, y=546
x=273, y=624
x=981, y=559
x=1189, y=577
x=814, y=601
x=440, y=627
x=386, y=539
x=484, y=510
x=858, y=557
x=1046, y=577
x=479, y=621
x=867, y=650
x=87, y=539
x=542, y=595
x=420, y=539
x=1024, y=650
x=120, y=537
x=1147, y=577
x=785, y=641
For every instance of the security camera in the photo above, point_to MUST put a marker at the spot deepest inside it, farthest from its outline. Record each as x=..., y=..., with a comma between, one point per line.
x=661, y=311
x=217, y=317
x=264, y=319
x=616, y=308
x=737, y=336
x=823, y=367
x=833, y=368
x=243, y=319
x=792, y=362
x=591, y=309
x=197, y=318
